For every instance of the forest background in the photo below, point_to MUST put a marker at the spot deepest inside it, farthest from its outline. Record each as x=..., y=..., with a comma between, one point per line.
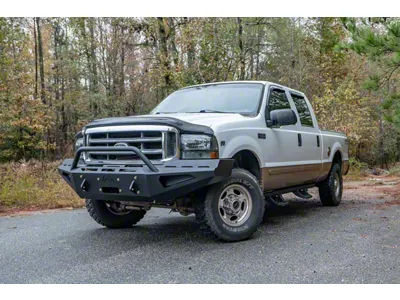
x=57, y=74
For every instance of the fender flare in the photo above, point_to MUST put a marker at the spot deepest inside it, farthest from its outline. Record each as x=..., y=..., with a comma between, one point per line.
x=337, y=147
x=241, y=143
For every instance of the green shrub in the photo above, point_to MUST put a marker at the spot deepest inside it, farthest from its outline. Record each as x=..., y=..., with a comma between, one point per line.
x=357, y=168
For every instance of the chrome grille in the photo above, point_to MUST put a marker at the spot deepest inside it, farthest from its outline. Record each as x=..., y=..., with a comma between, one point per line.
x=156, y=142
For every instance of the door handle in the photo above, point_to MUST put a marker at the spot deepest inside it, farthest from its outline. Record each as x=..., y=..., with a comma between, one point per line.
x=317, y=140
x=299, y=139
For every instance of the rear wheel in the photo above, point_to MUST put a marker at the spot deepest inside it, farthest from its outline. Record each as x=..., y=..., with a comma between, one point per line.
x=109, y=215
x=233, y=209
x=331, y=189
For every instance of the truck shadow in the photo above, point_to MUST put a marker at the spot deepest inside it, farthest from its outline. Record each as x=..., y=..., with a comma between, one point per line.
x=161, y=234
x=295, y=208
x=174, y=229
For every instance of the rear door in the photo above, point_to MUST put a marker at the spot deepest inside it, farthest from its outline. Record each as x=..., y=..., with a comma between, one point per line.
x=310, y=138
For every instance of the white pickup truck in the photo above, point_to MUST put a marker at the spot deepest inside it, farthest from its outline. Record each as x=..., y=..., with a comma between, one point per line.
x=219, y=150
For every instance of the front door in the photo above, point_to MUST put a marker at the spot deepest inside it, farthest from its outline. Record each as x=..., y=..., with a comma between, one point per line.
x=282, y=167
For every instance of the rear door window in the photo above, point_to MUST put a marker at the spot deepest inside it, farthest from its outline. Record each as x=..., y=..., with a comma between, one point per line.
x=302, y=110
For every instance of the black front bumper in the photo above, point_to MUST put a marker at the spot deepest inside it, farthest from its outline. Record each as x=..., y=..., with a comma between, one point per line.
x=142, y=182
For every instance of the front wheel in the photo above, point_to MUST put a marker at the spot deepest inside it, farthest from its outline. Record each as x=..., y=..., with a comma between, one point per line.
x=233, y=209
x=108, y=215
x=331, y=189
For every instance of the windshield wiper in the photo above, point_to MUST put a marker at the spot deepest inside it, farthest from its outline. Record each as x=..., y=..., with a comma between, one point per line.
x=195, y=112
x=213, y=111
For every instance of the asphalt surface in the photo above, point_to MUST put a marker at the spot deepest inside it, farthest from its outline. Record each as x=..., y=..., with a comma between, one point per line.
x=357, y=242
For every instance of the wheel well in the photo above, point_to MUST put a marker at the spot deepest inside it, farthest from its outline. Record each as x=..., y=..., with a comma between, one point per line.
x=246, y=159
x=337, y=158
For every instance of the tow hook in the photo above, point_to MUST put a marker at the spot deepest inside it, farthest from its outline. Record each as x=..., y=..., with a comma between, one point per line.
x=84, y=185
x=133, y=187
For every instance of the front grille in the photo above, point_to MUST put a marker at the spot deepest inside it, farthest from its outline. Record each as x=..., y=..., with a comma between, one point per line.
x=156, y=142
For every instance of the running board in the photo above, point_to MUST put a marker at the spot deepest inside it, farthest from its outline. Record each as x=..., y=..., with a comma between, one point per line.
x=288, y=190
x=302, y=193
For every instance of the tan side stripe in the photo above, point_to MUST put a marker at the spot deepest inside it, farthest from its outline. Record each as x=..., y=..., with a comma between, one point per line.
x=293, y=169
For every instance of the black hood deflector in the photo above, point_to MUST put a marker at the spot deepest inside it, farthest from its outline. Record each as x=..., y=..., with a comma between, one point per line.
x=182, y=126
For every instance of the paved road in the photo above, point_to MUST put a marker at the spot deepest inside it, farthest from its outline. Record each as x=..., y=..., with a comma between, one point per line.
x=357, y=242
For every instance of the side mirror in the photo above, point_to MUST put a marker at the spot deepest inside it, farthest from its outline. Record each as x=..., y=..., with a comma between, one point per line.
x=282, y=117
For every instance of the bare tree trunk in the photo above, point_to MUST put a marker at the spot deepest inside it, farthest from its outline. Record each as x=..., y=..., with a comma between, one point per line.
x=36, y=59
x=122, y=69
x=104, y=73
x=114, y=73
x=216, y=51
x=242, y=65
x=95, y=83
x=58, y=137
x=175, y=54
x=164, y=58
x=258, y=54
x=56, y=63
x=292, y=60
x=41, y=62
x=190, y=50
x=251, y=64
x=381, y=143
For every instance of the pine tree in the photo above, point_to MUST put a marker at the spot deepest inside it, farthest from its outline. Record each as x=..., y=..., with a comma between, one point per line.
x=378, y=39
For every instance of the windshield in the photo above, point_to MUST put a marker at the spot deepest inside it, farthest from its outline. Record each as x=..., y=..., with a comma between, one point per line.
x=243, y=98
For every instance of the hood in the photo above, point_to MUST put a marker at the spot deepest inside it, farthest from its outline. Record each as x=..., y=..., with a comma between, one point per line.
x=186, y=122
x=181, y=125
x=206, y=119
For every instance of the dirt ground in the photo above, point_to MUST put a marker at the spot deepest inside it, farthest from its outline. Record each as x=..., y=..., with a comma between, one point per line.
x=384, y=190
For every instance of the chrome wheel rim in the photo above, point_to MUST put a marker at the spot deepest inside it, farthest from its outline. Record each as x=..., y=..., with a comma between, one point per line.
x=336, y=185
x=235, y=205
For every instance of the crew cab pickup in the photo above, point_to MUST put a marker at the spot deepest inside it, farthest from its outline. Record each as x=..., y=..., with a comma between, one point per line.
x=220, y=151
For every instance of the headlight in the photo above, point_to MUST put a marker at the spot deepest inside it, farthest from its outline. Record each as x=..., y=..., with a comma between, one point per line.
x=78, y=143
x=196, y=146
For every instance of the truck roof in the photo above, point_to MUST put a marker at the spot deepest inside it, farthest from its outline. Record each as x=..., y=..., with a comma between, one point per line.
x=246, y=81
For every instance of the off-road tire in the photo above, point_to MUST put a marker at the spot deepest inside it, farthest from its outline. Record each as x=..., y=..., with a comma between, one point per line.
x=101, y=214
x=207, y=210
x=327, y=193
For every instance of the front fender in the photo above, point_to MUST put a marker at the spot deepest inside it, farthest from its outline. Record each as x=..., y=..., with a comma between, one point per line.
x=239, y=143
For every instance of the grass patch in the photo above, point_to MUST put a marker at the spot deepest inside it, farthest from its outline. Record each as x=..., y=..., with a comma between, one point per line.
x=35, y=185
x=395, y=170
x=357, y=170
